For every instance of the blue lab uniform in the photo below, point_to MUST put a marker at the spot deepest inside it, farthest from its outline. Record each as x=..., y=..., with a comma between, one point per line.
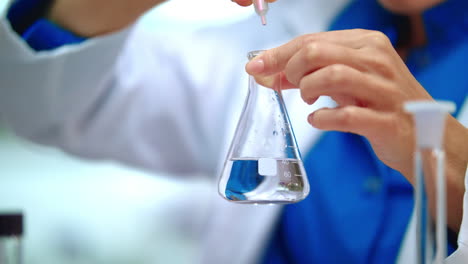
x=358, y=208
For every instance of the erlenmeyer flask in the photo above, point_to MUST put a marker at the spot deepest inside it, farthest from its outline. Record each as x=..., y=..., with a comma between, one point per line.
x=263, y=164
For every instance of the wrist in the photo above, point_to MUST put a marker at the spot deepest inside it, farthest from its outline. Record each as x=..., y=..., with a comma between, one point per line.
x=89, y=18
x=456, y=149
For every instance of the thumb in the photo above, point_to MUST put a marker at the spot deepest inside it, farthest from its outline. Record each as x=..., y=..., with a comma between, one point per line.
x=273, y=60
x=248, y=2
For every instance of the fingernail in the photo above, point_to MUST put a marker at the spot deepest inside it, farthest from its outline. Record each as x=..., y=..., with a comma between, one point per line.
x=310, y=118
x=255, y=66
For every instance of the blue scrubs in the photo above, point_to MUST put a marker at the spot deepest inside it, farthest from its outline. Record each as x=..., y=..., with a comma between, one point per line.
x=27, y=19
x=358, y=208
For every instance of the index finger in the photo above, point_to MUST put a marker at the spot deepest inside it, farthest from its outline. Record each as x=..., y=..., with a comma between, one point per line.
x=275, y=60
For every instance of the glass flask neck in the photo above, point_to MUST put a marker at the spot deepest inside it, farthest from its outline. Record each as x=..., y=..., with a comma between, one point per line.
x=254, y=54
x=274, y=80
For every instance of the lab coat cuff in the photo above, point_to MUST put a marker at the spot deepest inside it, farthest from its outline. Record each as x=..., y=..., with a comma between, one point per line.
x=26, y=18
x=45, y=35
x=14, y=47
x=22, y=14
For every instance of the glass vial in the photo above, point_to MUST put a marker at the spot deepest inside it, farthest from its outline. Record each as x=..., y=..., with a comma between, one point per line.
x=263, y=164
x=11, y=232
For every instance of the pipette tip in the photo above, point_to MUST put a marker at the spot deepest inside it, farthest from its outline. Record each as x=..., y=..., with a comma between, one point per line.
x=264, y=22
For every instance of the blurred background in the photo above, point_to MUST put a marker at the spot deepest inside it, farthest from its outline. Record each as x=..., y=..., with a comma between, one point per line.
x=86, y=212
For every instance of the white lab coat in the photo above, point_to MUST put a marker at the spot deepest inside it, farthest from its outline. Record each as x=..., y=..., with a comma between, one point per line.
x=159, y=103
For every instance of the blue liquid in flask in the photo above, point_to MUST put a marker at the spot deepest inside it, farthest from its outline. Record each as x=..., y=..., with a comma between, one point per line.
x=247, y=185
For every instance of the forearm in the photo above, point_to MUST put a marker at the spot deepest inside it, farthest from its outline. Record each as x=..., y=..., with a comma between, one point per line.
x=456, y=165
x=90, y=18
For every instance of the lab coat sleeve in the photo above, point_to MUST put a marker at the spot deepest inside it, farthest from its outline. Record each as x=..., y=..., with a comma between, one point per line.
x=123, y=97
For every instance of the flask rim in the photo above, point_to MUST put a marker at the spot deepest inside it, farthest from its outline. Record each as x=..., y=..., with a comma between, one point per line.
x=254, y=54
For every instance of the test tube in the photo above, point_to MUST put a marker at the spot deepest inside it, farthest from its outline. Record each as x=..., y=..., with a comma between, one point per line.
x=261, y=8
x=429, y=118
